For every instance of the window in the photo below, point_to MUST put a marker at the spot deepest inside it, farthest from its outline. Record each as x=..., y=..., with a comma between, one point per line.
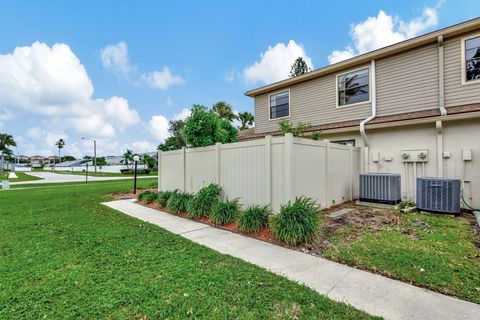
x=353, y=87
x=345, y=142
x=279, y=105
x=472, y=59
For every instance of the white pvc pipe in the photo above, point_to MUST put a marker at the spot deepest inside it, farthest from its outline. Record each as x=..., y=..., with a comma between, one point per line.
x=373, y=95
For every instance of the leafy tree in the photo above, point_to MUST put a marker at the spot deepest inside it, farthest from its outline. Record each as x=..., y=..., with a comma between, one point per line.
x=60, y=144
x=246, y=119
x=176, y=140
x=149, y=161
x=316, y=135
x=299, y=67
x=287, y=127
x=101, y=161
x=6, y=141
x=69, y=158
x=204, y=128
x=224, y=110
x=127, y=157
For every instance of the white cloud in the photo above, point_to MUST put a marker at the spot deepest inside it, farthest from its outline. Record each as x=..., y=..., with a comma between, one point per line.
x=51, y=81
x=115, y=57
x=169, y=102
x=142, y=146
x=5, y=115
x=231, y=74
x=275, y=63
x=383, y=30
x=182, y=115
x=162, y=79
x=158, y=127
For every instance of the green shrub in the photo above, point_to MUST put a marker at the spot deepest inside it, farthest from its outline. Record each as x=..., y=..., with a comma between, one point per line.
x=177, y=201
x=148, y=196
x=163, y=197
x=297, y=222
x=253, y=218
x=132, y=171
x=224, y=212
x=201, y=204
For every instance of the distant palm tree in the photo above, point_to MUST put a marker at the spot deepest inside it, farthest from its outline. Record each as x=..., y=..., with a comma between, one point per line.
x=224, y=110
x=60, y=144
x=127, y=157
x=6, y=141
x=246, y=120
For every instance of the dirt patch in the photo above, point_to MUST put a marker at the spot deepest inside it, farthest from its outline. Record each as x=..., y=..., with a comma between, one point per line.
x=353, y=223
x=128, y=195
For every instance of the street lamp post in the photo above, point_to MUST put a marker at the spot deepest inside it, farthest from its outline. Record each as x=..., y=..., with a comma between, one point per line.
x=94, y=152
x=136, y=158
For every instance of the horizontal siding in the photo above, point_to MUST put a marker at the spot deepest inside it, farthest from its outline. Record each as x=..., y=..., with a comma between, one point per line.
x=312, y=101
x=457, y=93
x=408, y=82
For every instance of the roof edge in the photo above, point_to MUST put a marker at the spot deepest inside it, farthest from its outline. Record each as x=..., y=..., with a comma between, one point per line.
x=418, y=41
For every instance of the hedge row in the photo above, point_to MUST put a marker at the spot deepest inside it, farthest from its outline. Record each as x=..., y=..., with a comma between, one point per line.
x=297, y=221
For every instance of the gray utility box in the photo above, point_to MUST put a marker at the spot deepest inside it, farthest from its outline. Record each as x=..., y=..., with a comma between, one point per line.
x=438, y=195
x=380, y=188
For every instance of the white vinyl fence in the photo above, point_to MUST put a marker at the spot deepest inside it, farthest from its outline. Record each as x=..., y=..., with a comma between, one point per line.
x=266, y=171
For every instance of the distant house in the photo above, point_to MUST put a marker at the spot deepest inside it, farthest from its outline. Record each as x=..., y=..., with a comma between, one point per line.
x=23, y=159
x=52, y=159
x=38, y=160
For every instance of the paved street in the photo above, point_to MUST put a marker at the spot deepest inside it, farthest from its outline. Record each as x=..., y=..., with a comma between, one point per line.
x=50, y=177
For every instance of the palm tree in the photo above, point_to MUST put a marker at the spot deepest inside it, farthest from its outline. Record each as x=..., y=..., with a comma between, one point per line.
x=224, y=110
x=6, y=141
x=60, y=144
x=246, y=119
x=127, y=157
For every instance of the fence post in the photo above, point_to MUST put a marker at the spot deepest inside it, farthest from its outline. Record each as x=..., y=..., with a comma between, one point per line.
x=217, y=160
x=159, y=166
x=184, y=165
x=327, y=173
x=268, y=169
x=288, y=149
x=350, y=157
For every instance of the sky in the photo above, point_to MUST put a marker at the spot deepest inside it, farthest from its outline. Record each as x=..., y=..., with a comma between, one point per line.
x=118, y=71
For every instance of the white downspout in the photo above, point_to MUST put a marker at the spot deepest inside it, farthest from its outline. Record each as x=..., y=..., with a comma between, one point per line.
x=373, y=94
x=441, y=83
x=441, y=106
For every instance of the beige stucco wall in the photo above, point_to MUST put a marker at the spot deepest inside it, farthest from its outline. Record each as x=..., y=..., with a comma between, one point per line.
x=457, y=135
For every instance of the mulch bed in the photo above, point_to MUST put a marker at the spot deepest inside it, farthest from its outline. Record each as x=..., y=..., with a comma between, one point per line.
x=264, y=234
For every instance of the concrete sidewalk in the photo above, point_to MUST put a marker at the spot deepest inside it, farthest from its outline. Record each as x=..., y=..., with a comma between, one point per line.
x=366, y=291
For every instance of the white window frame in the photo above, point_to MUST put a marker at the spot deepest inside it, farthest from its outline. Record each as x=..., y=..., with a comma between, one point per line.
x=464, y=71
x=338, y=106
x=270, y=107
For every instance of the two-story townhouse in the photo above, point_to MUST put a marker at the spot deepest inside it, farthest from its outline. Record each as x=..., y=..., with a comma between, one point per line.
x=413, y=107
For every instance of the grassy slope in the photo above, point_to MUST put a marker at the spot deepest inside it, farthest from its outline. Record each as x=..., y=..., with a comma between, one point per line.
x=63, y=255
x=22, y=176
x=443, y=258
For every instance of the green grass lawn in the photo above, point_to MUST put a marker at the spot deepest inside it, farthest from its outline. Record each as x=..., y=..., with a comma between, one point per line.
x=63, y=255
x=429, y=250
x=103, y=174
x=22, y=176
